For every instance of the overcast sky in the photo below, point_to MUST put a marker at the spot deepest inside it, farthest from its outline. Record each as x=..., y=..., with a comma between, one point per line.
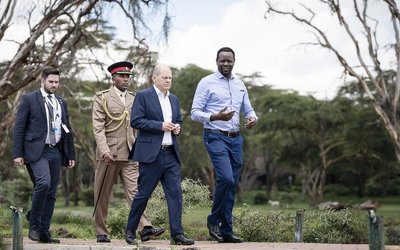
x=269, y=46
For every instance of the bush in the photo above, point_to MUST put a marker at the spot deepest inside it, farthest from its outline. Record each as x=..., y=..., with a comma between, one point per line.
x=341, y=227
x=5, y=225
x=254, y=225
x=17, y=191
x=194, y=195
x=392, y=230
x=87, y=196
x=260, y=199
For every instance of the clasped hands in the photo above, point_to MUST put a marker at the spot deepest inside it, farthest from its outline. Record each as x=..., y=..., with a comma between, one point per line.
x=171, y=127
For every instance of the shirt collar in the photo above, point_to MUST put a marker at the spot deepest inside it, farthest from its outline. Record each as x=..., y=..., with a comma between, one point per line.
x=119, y=92
x=45, y=94
x=159, y=92
x=220, y=76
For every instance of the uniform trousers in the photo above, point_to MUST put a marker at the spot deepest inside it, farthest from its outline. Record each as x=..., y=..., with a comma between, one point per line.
x=128, y=172
x=226, y=154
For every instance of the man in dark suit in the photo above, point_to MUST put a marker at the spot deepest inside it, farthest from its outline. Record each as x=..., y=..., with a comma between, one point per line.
x=157, y=117
x=43, y=139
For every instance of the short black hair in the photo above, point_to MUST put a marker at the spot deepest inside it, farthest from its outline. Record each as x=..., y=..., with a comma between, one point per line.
x=49, y=70
x=226, y=49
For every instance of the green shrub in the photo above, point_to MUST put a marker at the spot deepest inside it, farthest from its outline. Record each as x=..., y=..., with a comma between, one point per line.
x=260, y=199
x=392, y=231
x=254, y=225
x=17, y=191
x=341, y=227
x=194, y=195
x=5, y=225
x=87, y=196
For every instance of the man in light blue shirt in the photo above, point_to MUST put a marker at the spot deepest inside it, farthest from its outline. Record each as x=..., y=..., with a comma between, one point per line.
x=218, y=101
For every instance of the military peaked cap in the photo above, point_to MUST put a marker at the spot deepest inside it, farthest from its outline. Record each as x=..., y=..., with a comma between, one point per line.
x=120, y=68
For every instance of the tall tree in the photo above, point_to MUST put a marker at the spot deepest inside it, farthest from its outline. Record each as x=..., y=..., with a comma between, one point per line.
x=384, y=98
x=79, y=37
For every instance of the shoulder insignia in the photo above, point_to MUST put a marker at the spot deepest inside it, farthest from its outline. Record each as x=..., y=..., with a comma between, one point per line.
x=102, y=92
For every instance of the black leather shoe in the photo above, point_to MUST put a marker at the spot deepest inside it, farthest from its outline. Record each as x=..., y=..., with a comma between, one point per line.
x=213, y=231
x=130, y=237
x=180, y=239
x=103, y=238
x=231, y=239
x=45, y=237
x=149, y=232
x=33, y=233
x=28, y=215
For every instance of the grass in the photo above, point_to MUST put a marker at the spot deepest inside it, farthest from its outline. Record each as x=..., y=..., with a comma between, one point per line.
x=78, y=221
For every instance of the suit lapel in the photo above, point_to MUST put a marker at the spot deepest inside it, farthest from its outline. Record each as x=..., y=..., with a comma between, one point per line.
x=173, y=108
x=156, y=103
x=40, y=100
x=63, y=112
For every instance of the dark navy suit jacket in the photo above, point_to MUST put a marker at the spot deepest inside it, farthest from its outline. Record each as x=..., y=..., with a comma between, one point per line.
x=147, y=118
x=30, y=129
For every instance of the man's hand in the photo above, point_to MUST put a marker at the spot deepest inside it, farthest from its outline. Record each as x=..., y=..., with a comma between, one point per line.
x=71, y=164
x=108, y=158
x=168, y=126
x=251, y=121
x=177, y=129
x=222, y=115
x=19, y=161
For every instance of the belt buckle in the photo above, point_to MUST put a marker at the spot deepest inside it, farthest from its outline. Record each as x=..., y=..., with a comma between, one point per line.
x=231, y=134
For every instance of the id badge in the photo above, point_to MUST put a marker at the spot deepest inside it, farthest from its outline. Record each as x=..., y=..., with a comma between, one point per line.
x=65, y=128
x=53, y=124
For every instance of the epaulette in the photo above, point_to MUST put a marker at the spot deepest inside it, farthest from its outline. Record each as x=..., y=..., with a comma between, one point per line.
x=102, y=92
x=130, y=92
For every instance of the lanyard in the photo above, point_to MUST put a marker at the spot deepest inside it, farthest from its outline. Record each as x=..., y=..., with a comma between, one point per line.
x=49, y=104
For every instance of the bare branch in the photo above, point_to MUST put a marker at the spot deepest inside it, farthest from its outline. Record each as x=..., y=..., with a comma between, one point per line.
x=6, y=17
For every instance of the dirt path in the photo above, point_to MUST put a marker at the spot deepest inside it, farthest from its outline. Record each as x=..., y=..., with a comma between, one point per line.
x=71, y=244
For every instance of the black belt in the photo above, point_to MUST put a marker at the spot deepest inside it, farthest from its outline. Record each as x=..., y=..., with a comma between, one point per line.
x=220, y=132
x=166, y=147
x=51, y=146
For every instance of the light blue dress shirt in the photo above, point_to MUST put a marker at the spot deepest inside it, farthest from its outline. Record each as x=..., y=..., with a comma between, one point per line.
x=214, y=92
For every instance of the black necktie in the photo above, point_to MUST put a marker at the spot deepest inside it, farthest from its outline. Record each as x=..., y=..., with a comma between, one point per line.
x=52, y=131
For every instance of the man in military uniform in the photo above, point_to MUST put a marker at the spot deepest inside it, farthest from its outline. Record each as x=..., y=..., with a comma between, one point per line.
x=115, y=138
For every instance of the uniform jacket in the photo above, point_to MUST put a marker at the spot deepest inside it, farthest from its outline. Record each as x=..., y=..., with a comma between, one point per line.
x=147, y=118
x=111, y=128
x=30, y=130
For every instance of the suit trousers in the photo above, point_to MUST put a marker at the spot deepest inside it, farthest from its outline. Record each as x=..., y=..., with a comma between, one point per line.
x=47, y=173
x=128, y=172
x=167, y=170
x=226, y=154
